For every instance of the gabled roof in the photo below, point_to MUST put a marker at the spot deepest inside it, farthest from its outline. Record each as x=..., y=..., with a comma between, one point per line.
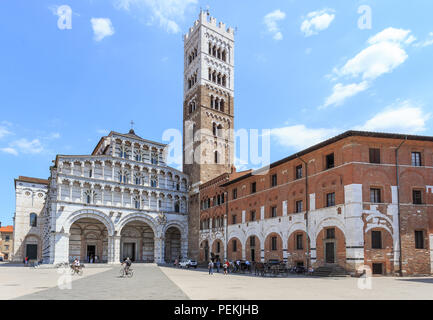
x=130, y=134
x=350, y=133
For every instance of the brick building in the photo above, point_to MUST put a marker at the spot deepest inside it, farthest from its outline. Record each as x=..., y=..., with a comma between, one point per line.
x=343, y=195
x=6, y=242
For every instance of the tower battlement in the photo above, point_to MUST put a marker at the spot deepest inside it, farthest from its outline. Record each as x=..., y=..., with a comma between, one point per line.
x=212, y=23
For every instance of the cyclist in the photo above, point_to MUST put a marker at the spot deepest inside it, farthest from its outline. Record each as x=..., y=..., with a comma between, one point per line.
x=127, y=264
x=76, y=264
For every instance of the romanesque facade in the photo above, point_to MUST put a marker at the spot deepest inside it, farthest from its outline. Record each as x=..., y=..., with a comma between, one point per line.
x=339, y=202
x=120, y=201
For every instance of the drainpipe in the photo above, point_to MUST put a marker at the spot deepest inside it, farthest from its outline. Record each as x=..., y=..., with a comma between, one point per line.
x=307, y=208
x=400, y=263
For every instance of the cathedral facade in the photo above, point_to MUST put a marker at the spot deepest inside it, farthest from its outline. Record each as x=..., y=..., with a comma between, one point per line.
x=120, y=201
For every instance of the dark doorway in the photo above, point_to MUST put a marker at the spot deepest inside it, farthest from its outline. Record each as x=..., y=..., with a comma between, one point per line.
x=330, y=252
x=32, y=251
x=253, y=255
x=129, y=251
x=91, y=251
x=377, y=268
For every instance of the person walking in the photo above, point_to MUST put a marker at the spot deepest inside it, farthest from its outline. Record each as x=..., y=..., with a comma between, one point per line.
x=210, y=267
x=218, y=264
x=225, y=266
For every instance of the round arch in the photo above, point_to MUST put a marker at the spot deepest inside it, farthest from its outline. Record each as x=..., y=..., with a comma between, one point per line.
x=91, y=214
x=136, y=217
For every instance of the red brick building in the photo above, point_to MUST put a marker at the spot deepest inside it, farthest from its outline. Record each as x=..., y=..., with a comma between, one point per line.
x=355, y=197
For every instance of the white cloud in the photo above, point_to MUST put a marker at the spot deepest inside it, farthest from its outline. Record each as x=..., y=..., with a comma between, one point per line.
x=4, y=132
x=401, y=117
x=390, y=35
x=425, y=43
x=300, y=137
x=317, y=21
x=374, y=61
x=25, y=146
x=271, y=19
x=384, y=53
x=102, y=28
x=342, y=92
x=10, y=151
x=166, y=12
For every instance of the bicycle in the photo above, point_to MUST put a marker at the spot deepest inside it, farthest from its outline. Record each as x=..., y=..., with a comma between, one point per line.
x=128, y=273
x=77, y=270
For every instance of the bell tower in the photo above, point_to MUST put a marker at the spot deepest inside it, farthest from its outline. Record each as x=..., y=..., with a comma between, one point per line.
x=208, y=110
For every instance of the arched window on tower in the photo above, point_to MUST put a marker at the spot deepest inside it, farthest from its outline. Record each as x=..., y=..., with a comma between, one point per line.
x=214, y=129
x=222, y=105
x=216, y=155
x=214, y=51
x=224, y=81
x=223, y=55
x=209, y=74
x=219, y=130
x=219, y=53
x=214, y=76
x=212, y=102
x=219, y=78
x=217, y=103
x=210, y=48
x=33, y=219
x=176, y=206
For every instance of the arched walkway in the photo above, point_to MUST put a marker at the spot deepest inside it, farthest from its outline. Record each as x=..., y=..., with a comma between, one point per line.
x=88, y=240
x=137, y=241
x=172, y=245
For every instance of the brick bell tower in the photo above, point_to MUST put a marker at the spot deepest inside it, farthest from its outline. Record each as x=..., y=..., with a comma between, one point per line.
x=208, y=110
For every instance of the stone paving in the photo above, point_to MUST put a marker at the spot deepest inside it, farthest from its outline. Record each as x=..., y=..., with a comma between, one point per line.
x=151, y=282
x=198, y=284
x=148, y=283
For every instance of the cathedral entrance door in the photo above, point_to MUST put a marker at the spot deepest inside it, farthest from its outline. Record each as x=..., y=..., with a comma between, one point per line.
x=32, y=251
x=129, y=250
x=91, y=252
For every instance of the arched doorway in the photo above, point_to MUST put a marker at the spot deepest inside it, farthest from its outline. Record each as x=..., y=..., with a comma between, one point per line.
x=172, y=245
x=32, y=247
x=252, y=248
x=218, y=250
x=137, y=242
x=88, y=240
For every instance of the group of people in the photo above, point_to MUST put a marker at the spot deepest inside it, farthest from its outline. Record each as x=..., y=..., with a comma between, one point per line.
x=93, y=259
x=225, y=265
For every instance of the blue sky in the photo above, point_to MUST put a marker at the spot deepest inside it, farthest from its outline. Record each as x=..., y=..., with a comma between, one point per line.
x=306, y=70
